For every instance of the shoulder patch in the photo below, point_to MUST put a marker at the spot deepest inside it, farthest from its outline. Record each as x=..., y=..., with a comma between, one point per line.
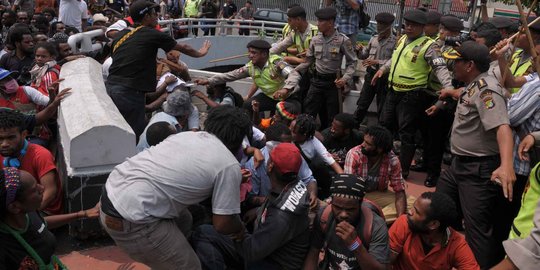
x=482, y=83
x=486, y=93
x=488, y=102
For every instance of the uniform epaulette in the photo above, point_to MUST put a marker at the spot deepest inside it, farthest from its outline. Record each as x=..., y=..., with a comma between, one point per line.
x=482, y=83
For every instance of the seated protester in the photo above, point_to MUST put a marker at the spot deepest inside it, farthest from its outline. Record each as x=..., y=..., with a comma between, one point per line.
x=154, y=100
x=26, y=240
x=286, y=112
x=177, y=111
x=35, y=159
x=341, y=137
x=45, y=72
x=342, y=230
x=175, y=65
x=423, y=239
x=314, y=152
x=280, y=237
x=159, y=131
x=375, y=162
x=261, y=186
x=219, y=94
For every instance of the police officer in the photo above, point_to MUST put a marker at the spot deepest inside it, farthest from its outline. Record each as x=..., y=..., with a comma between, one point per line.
x=433, y=20
x=269, y=72
x=438, y=121
x=482, y=144
x=376, y=53
x=521, y=62
x=504, y=25
x=413, y=59
x=326, y=51
x=300, y=36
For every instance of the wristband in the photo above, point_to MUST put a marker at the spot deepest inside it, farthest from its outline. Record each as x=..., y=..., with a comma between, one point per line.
x=357, y=242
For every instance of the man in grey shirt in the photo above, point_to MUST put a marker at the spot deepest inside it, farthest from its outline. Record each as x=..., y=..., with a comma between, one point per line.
x=145, y=199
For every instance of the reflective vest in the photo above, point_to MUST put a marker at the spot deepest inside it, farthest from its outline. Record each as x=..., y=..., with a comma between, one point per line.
x=517, y=69
x=304, y=45
x=285, y=32
x=409, y=69
x=524, y=221
x=269, y=79
x=191, y=8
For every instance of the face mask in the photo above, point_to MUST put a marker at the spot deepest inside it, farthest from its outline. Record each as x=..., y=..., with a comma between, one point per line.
x=371, y=153
x=11, y=86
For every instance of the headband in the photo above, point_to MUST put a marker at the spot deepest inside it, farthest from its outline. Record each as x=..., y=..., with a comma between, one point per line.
x=13, y=183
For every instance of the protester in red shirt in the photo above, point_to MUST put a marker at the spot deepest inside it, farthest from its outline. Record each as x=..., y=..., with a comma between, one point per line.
x=423, y=238
x=17, y=152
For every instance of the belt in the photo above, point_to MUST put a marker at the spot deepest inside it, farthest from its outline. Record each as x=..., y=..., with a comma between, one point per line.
x=114, y=223
x=407, y=86
x=469, y=159
x=321, y=76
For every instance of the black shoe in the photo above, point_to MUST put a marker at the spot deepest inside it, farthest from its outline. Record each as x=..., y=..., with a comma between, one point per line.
x=405, y=174
x=419, y=167
x=431, y=181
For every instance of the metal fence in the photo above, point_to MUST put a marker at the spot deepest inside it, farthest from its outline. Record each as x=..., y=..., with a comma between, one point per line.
x=309, y=5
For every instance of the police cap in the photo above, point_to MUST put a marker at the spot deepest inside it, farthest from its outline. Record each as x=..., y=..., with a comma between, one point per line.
x=415, y=16
x=470, y=51
x=385, y=18
x=259, y=44
x=535, y=27
x=296, y=11
x=501, y=22
x=433, y=17
x=452, y=23
x=328, y=13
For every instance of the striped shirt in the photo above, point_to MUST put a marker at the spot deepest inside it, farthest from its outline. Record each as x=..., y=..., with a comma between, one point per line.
x=524, y=115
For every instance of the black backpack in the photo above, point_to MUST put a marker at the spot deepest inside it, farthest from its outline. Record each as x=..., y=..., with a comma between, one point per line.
x=238, y=99
x=363, y=22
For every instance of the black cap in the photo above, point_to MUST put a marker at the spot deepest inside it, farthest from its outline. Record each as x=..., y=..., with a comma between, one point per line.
x=452, y=23
x=385, y=18
x=415, y=16
x=139, y=8
x=535, y=26
x=328, y=13
x=433, y=17
x=296, y=11
x=501, y=22
x=259, y=44
x=470, y=51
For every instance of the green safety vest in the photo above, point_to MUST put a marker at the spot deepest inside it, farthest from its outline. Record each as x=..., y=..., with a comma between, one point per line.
x=524, y=221
x=286, y=30
x=304, y=45
x=409, y=69
x=269, y=79
x=191, y=8
x=519, y=70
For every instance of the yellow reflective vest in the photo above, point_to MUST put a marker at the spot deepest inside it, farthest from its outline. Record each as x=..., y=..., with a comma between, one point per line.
x=191, y=8
x=524, y=221
x=269, y=79
x=409, y=68
x=517, y=69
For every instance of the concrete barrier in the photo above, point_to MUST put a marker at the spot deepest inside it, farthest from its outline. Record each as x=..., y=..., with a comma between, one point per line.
x=94, y=136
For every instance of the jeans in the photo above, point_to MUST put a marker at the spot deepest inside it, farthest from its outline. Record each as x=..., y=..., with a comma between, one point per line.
x=131, y=104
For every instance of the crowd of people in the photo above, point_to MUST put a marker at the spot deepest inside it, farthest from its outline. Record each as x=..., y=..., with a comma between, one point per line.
x=309, y=187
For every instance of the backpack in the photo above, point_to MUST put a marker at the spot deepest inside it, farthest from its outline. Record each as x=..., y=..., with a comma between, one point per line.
x=368, y=208
x=238, y=99
x=364, y=18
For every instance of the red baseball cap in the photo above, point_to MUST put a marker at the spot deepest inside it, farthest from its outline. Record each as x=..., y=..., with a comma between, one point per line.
x=286, y=158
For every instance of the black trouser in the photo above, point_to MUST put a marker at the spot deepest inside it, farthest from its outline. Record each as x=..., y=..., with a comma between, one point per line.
x=408, y=108
x=322, y=99
x=210, y=29
x=481, y=203
x=130, y=103
x=243, y=31
x=435, y=130
x=368, y=93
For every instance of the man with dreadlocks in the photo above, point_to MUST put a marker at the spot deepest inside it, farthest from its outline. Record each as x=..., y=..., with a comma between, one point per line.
x=352, y=235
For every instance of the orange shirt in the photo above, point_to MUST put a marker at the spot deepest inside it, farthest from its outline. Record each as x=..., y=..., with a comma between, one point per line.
x=455, y=254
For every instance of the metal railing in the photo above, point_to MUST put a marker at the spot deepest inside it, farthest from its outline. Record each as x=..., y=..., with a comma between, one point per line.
x=189, y=24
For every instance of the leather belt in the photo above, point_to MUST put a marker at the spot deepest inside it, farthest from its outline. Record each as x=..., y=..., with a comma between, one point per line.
x=469, y=159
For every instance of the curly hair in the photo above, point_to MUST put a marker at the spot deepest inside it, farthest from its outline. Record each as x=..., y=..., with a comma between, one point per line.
x=442, y=208
x=275, y=131
x=230, y=125
x=346, y=119
x=306, y=125
x=382, y=138
x=10, y=119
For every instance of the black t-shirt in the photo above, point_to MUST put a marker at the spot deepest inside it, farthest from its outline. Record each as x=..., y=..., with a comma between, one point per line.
x=229, y=10
x=13, y=255
x=340, y=148
x=134, y=61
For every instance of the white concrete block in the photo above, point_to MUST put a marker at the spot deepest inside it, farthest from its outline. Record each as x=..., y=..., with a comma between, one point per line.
x=93, y=134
